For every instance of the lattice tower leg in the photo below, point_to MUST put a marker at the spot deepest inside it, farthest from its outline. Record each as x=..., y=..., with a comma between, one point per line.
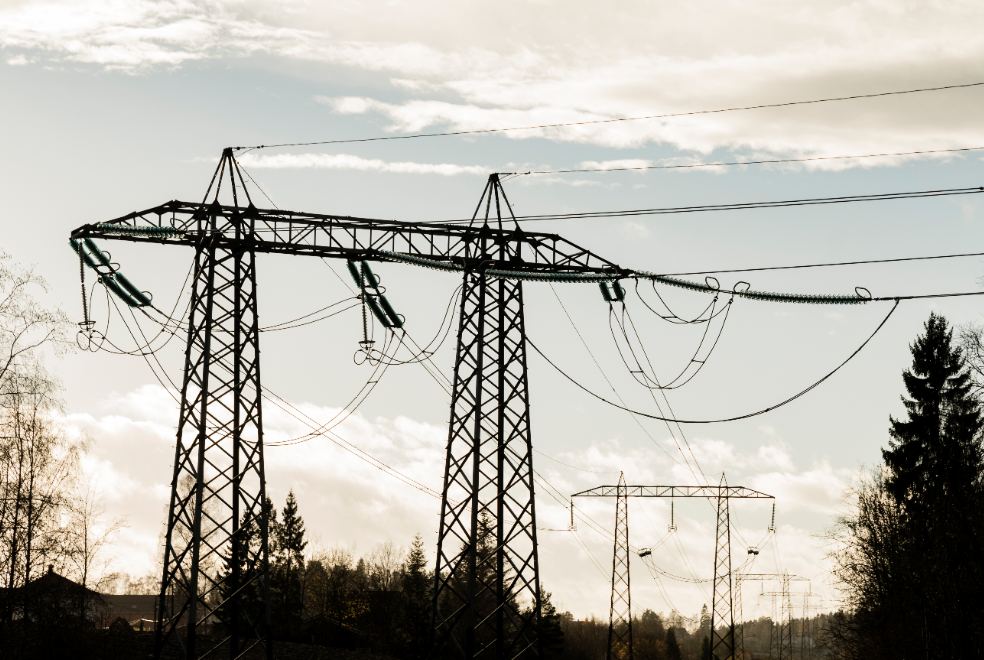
x=216, y=554
x=487, y=583
x=620, y=614
x=722, y=612
x=786, y=626
x=774, y=631
x=740, y=626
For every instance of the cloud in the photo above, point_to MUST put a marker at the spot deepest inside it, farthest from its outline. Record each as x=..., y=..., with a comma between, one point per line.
x=344, y=499
x=347, y=162
x=639, y=61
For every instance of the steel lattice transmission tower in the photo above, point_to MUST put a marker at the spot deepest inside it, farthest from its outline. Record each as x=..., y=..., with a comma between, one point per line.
x=739, y=581
x=218, y=487
x=720, y=496
x=487, y=564
x=216, y=559
x=620, y=612
x=781, y=635
x=722, y=610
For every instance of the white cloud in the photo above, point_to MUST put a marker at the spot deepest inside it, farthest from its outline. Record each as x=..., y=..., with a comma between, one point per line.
x=346, y=500
x=347, y=162
x=640, y=60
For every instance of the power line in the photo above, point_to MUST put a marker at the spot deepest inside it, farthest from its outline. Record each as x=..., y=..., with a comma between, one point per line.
x=738, y=417
x=839, y=263
x=750, y=162
x=741, y=206
x=615, y=120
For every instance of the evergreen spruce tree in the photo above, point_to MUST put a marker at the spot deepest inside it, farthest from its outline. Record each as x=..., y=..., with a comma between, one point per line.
x=551, y=634
x=416, y=600
x=287, y=566
x=937, y=451
x=672, y=646
x=911, y=564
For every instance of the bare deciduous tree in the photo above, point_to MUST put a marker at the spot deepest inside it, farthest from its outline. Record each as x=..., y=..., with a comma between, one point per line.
x=88, y=537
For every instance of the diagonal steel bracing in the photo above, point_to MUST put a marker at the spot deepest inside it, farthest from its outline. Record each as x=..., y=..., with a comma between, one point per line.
x=216, y=554
x=620, y=612
x=487, y=588
x=722, y=610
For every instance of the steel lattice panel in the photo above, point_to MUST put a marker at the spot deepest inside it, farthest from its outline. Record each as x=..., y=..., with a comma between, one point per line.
x=722, y=645
x=218, y=484
x=620, y=614
x=487, y=593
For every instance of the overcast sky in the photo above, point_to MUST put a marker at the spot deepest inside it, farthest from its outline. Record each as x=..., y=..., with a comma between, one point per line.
x=112, y=106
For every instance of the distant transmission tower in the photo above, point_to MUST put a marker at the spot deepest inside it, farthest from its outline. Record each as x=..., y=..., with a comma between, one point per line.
x=722, y=612
x=620, y=614
x=722, y=644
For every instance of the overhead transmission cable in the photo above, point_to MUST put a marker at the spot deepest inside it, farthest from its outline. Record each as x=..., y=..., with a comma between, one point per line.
x=825, y=265
x=728, y=419
x=742, y=206
x=617, y=119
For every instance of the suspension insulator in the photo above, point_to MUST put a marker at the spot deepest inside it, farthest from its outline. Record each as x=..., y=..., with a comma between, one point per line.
x=619, y=291
x=354, y=272
x=140, y=296
x=605, y=293
x=110, y=282
x=78, y=249
x=371, y=278
x=98, y=254
x=377, y=311
x=394, y=318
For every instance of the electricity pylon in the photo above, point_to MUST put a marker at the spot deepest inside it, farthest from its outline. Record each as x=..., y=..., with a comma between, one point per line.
x=487, y=587
x=722, y=611
x=620, y=612
x=740, y=579
x=781, y=634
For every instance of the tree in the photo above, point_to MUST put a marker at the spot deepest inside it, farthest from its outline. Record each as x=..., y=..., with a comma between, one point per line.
x=288, y=566
x=907, y=553
x=672, y=646
x=551, y=634
x=38, y=467
x=937, y=451
x=88, y=537
x=416, y=583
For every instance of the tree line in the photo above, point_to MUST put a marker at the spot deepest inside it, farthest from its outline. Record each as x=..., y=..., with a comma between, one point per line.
x=908, y=552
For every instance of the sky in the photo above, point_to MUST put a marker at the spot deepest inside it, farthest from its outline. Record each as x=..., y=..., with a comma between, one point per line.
x=112, y=107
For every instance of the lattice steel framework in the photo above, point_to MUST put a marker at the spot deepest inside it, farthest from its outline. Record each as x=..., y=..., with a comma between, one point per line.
x=620, y=613
x=216, y=550
x=786, y=622
x=721, y=495
x=739, y=580
x=722, y=609
x=216, y=557
x=487, y=585
x=781, y=635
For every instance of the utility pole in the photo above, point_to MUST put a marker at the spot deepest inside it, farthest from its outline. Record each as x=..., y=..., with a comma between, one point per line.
x=722, y=611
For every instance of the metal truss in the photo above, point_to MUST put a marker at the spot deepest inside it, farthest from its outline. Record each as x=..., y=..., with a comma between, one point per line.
x=620, y=614
x=287, y=232
x=722, y=613
x=722, y=609
x=709, y=492
x=781, y=635
x=216, y=549
x=487, y=586
x=786, y=622
x=739, y=580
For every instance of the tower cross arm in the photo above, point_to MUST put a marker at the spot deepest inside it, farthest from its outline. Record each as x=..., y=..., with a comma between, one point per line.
x=731, y=492
x=435, y=244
